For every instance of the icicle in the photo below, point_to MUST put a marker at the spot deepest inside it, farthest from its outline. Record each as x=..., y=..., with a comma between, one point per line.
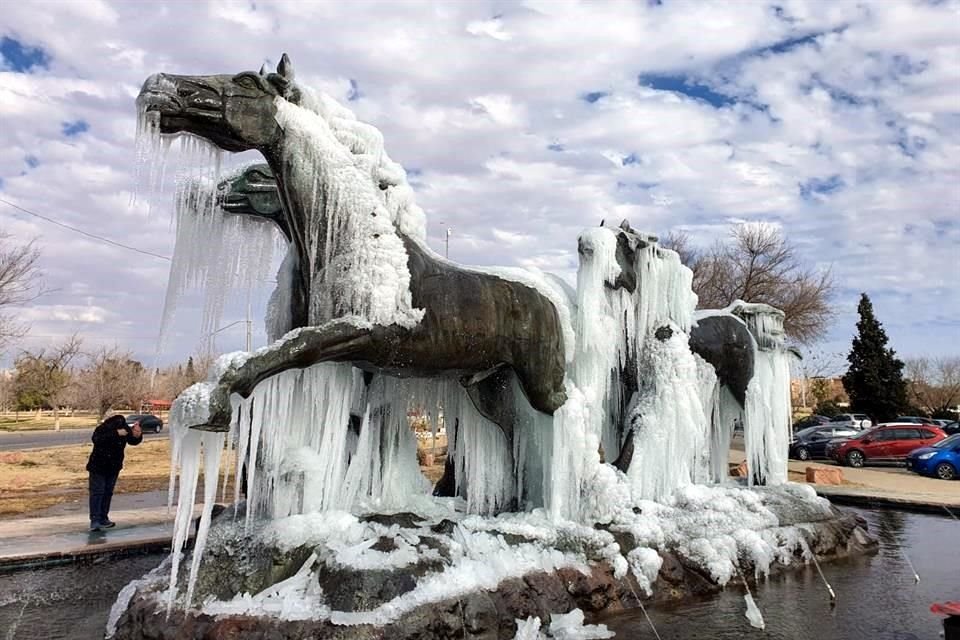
x=216, y=252
x=766, y=431
x=602, y=342
x=212, y=449
x=189, y=472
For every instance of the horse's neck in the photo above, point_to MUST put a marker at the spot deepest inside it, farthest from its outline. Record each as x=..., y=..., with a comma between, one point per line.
x=302, y=208
x=348, y=247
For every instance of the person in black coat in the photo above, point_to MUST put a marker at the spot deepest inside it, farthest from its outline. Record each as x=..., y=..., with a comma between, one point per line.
x=110, y=438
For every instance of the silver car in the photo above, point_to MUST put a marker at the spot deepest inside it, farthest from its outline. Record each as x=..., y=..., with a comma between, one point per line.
x=855, y=420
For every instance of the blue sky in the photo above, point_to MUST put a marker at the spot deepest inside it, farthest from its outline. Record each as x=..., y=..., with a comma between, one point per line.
x=521, y=124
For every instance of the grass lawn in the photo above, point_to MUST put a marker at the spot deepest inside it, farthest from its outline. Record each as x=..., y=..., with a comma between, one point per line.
x=30, y=422
x=39, y=478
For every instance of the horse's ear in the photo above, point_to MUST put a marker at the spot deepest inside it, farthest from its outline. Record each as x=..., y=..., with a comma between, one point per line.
x=263, y=69
x=285, y=68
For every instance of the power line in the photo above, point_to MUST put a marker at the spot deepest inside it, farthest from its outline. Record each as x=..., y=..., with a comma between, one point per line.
x=65, y=335
x=85, y=233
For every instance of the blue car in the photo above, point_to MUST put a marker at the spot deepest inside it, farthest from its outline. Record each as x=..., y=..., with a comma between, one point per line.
x=942, y=460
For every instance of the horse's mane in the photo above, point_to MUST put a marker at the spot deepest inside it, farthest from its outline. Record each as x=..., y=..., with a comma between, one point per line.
x=366, y=142
x=357, y=206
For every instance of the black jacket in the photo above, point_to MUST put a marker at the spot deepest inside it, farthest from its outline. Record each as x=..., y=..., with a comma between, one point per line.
x=108, y=445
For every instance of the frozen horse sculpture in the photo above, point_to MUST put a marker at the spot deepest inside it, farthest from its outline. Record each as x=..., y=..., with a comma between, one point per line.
x=624, y=365
x=377, y=297
x=721, y=338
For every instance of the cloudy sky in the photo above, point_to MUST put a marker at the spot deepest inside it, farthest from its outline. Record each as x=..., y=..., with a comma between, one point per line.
x=519, y=123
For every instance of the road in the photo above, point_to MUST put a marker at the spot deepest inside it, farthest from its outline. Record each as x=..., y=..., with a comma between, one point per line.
x=18, y=440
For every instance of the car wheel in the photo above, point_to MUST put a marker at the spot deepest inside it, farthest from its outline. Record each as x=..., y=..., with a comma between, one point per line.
x=802, y=453
x=945, y=471
x=855, y=458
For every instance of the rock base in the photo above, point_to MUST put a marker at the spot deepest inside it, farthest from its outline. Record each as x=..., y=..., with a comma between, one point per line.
x=481, y=614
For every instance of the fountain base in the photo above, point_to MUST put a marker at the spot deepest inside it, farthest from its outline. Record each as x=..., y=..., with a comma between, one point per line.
x=410, y=575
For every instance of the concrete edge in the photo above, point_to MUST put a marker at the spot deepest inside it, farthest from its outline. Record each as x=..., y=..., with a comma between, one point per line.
x=11, y=564
x=902, y=504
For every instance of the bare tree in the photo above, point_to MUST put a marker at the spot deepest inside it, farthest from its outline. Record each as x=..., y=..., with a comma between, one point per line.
x=42, y=377
x=934, y=384
x=169, y=382
x=6, y=390
x=757, y=264
x=816, y=372
x=113, y=379
x=19, y=284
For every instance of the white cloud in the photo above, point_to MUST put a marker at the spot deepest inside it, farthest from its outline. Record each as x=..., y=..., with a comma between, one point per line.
x=491, y=28
x=845, y=131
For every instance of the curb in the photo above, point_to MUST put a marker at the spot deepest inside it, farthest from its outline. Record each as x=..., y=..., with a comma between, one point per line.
x=11, y=564
x=902, y=504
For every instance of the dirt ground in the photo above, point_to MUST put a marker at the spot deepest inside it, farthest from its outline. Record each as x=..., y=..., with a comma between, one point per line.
x=35, y=479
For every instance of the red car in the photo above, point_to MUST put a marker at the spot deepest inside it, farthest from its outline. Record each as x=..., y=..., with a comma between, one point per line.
x=885, y=443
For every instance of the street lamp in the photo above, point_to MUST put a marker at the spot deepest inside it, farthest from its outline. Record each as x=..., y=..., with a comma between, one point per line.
x=446, y=241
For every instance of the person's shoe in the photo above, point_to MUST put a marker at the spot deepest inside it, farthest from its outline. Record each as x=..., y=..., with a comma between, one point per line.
x=96, y=526
x=107, y=524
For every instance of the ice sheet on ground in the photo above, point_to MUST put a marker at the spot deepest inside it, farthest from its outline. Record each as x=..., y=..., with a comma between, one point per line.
x=753, y=613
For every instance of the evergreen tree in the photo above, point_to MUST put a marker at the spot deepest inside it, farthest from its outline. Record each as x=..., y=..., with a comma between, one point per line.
x=874, y=380
x=190, y=373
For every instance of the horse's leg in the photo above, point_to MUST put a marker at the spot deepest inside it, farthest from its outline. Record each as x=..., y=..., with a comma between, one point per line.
x=542, y=382
x=492, y=396
x=334, y=341
x=446, y=487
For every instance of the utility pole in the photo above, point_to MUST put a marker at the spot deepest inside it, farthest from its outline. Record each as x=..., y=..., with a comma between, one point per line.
x=447, y=244
x=249, y=344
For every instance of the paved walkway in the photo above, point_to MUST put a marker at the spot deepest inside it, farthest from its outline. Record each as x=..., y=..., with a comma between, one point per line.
x=61, y=533
x=890, y=485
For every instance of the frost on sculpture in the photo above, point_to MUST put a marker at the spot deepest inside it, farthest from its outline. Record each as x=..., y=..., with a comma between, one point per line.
x=575, y=417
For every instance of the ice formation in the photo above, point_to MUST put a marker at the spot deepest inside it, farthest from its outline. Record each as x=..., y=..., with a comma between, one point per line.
x=563, y=626
x=359, y=264
x=768, y=415
x=220, y=253
x=320, y=443
x=753, y=613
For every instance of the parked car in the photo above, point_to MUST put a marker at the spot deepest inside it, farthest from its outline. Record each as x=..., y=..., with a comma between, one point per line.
x=810, y=421
x=812, y=442
x=148, y=422
x=952, y=428
x=856, y=420
x=917, y=420
x=942, y=460
x=940, y=422
x=886, y=443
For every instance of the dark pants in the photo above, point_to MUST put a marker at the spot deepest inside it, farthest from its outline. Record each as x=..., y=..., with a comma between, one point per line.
x=101, y=492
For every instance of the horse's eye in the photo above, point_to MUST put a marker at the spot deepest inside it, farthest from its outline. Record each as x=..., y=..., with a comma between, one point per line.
x=246, y=82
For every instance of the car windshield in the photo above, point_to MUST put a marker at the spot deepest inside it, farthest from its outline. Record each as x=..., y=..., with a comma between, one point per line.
x=949, y=442
x=803, y=433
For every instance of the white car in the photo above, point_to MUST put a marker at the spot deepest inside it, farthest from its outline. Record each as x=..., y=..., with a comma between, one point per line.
x=855, y=420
